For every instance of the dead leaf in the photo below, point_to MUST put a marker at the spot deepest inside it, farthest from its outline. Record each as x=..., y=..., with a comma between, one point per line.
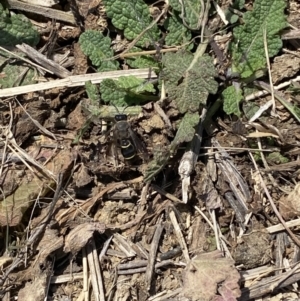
x=49, y=243
x=82, y=176
x=37, y=289
x=210, y=277
x=85, y=6
x=32, y=185
x=155, y=122
x=289, y=206
x=76, y=119
x=285, y=66
x=80, y=235
x=205, y=189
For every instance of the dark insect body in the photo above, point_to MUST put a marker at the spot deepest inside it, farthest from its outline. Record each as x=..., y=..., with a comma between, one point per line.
x=128, y=141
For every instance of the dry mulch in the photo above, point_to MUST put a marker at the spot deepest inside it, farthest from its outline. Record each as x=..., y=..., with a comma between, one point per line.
x=79, y=223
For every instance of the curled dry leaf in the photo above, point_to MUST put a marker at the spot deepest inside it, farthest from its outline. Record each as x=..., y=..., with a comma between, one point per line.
x=80, y=235
x=289, y=206
x=211, y=277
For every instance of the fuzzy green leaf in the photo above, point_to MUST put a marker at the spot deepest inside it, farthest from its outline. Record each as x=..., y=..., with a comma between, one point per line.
x=187, y=81
x=92, y=92
x=13, y=70
x=232, y=98
x=143, y=61
x=175, y=4
x=125, y=91
x=16, y=29
x=190, y=10
x=249, y=109
x=276, y=158
x=91, y=109
x=186, y=130
x=177, y=33
x=160, y=160
x=97, y=47
x=133, y=17
x=248, y=46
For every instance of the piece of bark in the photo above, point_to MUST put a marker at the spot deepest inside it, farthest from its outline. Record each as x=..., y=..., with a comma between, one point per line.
x=44, y=11
x=44, y=61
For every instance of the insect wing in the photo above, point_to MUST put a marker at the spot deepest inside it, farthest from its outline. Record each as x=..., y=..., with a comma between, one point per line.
x=140, y=148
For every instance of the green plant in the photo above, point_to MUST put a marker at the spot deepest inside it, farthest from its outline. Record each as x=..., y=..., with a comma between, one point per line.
x=16, y=29
x=248, y=46
x=189, y=79
x=97, y=47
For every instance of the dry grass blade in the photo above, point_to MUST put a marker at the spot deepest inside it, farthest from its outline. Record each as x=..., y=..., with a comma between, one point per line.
x=179, y=235
x=266, y=285
x=95, y=273
x=25, y=60
x=269, y=69
x=48, y=64
x=44, y=11
x=76, y=81
x=295, y=239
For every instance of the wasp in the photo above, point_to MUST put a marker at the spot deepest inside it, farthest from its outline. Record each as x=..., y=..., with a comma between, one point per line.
x=126, y=138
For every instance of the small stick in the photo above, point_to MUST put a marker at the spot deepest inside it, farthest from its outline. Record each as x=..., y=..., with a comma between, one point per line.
x=280, y=227
x=89, y=251
x=85, y=275
x=44, y=11
x=98, y=272
x=266, y=92
x=143, y=267
x=123, y=245
x=104, y=248
x=94, y=272
x=153, y=252
x=42, y=60
x=269, y=69
x=179, y=236
x=25, y=60
x=166, y=194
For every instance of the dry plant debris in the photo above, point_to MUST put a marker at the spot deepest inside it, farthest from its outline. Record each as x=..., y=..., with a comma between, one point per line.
x=200, y=279
x=149, y=150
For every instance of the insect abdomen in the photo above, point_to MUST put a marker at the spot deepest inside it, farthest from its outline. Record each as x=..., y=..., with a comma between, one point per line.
x=127, y=149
